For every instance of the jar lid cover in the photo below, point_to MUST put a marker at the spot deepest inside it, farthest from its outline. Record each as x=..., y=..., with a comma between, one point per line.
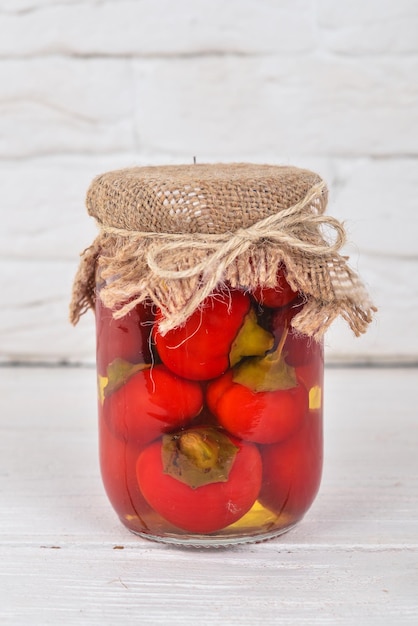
x=199, y=198
x=175, y=234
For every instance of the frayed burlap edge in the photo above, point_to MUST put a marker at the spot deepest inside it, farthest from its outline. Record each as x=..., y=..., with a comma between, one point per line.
x=84, y=286
x=177, y=272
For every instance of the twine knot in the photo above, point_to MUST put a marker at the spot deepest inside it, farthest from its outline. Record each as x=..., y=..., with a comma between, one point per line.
x=288, y=229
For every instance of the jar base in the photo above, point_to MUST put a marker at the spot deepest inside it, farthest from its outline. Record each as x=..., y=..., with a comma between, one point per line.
x=197, y=541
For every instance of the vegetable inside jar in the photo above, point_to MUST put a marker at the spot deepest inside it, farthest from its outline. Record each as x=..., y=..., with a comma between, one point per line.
x=212, y=432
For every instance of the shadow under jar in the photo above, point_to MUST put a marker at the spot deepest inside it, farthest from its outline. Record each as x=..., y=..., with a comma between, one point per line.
x=211, y=434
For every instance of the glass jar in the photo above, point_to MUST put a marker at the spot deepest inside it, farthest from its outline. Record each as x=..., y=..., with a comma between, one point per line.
x=211, y=434
x=213, y=285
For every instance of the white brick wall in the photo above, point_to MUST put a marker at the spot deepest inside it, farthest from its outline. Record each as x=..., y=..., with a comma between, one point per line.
x=89, y=86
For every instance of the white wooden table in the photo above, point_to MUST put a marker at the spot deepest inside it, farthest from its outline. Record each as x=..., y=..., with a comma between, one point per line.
x=65, y=558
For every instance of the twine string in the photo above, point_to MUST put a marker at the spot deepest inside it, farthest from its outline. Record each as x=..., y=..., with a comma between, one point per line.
x=288, y=229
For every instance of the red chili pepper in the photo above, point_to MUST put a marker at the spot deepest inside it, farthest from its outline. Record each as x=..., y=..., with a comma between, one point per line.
x=201, y=480
x=259, y=400
x=216, y=336
x=126, y=338
x=149, y=403
x=292, y=470
x=298, y=349
x=278, y=296
x=117, y=464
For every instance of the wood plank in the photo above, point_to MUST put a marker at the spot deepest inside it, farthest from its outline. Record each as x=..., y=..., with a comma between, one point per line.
x=65, y=557
x=158, y=585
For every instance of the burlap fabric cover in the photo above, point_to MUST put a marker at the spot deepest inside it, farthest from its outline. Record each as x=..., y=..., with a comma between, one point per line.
x=173, y=234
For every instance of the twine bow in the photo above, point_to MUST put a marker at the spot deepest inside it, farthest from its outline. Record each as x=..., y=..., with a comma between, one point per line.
x=281, y=229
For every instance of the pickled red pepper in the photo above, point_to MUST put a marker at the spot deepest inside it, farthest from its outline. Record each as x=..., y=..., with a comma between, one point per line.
x=213, y=399
x=218, y=335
